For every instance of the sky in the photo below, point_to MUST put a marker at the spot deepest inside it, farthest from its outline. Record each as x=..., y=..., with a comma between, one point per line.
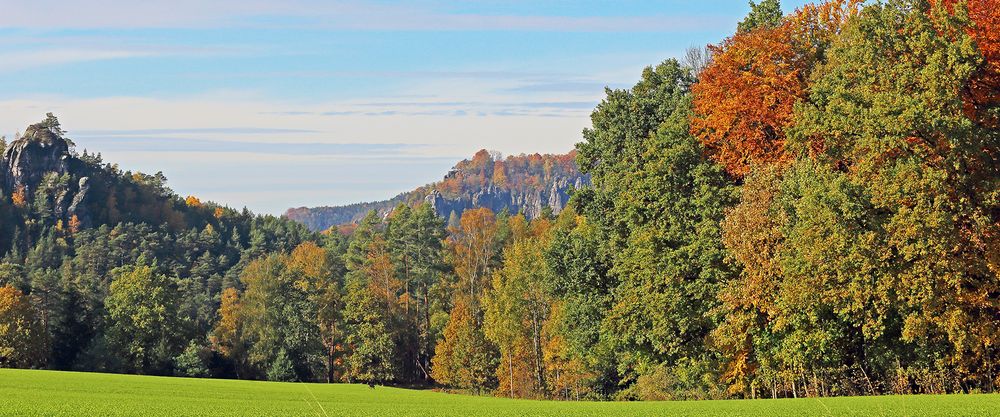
x=275, y=104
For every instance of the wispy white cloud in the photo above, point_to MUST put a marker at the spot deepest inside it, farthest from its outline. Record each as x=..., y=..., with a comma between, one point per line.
x=23, y=60
x=349, y=15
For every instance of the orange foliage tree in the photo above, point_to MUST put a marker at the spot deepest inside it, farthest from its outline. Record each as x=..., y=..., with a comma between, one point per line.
x=19, y=198
x=227, y=337
x=317, y=275
x=744, y=98
x=22, y=341
x=473, y=246
x=982, y=95
x=74, y=224
x=463, y=357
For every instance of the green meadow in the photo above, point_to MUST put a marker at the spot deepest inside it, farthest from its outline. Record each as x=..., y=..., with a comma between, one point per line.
x=50, y=393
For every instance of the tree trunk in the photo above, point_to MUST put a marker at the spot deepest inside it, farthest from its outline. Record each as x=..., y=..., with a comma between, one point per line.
x=510, y=365
x=329, y=363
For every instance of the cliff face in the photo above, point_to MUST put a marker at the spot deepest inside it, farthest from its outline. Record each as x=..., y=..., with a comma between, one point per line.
x=524, y=184
x=38, y=152
x=41, y=158
x=531, y=203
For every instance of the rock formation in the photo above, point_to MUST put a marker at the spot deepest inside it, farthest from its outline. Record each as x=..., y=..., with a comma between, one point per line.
x=43, y=157
x=528, y=184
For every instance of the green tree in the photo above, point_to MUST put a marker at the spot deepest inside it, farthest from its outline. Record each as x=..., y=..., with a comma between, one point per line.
x=190, y=363
x=415, y=238
x=516, y=310
x=282, y=369
x=618, y=141
x=658, y=202
x=277, y=318
x=371, y=356
x=888, y=110
x=766, y=14
x=580, y=279
x=142, y=319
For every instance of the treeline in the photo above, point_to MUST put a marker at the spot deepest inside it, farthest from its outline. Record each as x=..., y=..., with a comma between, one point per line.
x=127, y=298
x=810, y=208
x=516, y=173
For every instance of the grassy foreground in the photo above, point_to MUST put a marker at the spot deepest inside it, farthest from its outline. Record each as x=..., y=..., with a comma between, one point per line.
x=48, y=393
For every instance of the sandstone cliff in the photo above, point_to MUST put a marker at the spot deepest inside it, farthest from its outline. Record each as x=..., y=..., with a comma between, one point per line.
x=41, y=159
x=525, y=184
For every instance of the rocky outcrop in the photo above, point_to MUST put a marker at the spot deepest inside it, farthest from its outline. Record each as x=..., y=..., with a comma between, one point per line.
x=78, y=207
x=40, y=151
x=531, y=203
x=529, y=184
x=42, y=158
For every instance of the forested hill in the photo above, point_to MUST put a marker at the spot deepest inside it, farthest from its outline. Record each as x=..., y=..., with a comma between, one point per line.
x=525, y=184
x=47, y=186
x=71, y=226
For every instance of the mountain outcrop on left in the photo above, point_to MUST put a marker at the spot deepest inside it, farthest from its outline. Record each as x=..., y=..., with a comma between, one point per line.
x=47, y=186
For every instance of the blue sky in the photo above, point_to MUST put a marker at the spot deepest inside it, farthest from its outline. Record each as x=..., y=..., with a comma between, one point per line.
x=271, y=105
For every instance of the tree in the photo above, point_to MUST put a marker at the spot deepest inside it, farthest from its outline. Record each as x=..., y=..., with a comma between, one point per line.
x=278, y=319
x=888, y=110
x=370, y=306
x=142, y=319
x=318, y=273
x=751, y=233
x=766, y=14
x=657, y=202
x=743, y=100
x=19, y=197
x=617, y=143
x=516, y=310
x=414, y=238
x=463, y=357
x=982, y=94
x=567, y=371
x=190, y=363
x=673, y=263
x=369, y=336
x=227, y=337
x=282, y=369
x=473, y=246
x=581, y=281
x=22, y=340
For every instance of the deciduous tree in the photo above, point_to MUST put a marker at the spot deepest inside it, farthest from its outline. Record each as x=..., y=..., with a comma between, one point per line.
x=22, y=339
x=142, y=319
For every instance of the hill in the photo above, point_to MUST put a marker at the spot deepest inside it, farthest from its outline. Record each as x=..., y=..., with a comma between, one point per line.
x=519, y=184
x=71, y=224
x=46, y=185
x=38, y=393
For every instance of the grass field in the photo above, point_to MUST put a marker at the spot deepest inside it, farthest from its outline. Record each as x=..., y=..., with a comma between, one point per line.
x=48, y=393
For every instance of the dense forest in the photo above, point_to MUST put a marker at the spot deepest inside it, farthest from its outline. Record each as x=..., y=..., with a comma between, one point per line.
x=526, y=184
x=809, y=208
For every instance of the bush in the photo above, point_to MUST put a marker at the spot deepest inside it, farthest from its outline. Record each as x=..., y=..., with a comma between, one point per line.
x=190, y=363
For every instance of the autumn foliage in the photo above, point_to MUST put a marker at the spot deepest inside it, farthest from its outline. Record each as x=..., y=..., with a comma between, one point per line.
x=22, y=340
x=743, y=100
x=816, y=213
x=982, y=95
x=519, y=173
